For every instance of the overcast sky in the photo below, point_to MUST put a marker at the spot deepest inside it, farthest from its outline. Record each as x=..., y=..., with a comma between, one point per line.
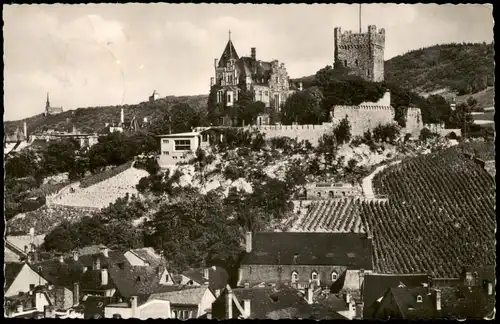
x=109, y=54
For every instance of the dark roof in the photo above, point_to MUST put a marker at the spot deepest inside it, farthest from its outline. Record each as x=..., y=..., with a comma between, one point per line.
x=259, y=71
x=375, y=285
x=217, y=278
x=94, y=305
x=135, y=280
x=148, y=255
x=229, y=53
x=342, y=249
x=483, y=273
x=467, y=302
x=11, y=271
x=406, y=301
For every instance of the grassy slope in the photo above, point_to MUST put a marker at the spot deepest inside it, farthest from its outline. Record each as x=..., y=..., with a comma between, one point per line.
x=94, y=118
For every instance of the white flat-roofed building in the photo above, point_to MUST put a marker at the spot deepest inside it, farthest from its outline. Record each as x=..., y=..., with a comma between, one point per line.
x=181, y=147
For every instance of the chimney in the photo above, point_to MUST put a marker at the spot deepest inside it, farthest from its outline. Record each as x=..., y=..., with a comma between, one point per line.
x=122, y=116
x=25, y=131
x=26, y=249
x=249, y=242
x=104, y=277
x=39, y=302
x=490, y=288
x=76, y=294
x=212, y=81
x=229, y=304
x=253, y=54
x=48, y=312
x=300, y=86
x=205, y=274
x=215, y=63
x=75, y=255
x=61, y=258
x=84, y=269
x=209, y=314
x=437, y=298
x=133, y=305
x=347, y=297
x=247, y=285
x=159, y=270
x=309, y=295
x=104, y=251
x=246, y=307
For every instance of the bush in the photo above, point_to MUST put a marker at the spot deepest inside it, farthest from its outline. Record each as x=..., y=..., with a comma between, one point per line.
x=426, y=134
x=233, y=173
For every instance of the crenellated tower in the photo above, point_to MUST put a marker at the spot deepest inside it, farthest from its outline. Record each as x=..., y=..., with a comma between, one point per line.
x=362, y=53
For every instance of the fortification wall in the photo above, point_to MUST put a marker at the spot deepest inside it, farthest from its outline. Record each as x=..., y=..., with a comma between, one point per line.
x=312, y=133
x=363, y=118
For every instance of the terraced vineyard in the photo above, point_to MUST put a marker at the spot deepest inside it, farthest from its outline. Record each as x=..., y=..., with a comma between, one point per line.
x=336, y=216
x=440, y=215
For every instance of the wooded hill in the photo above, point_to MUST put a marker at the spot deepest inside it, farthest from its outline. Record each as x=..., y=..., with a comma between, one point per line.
x=93, y=119
x=448, y=70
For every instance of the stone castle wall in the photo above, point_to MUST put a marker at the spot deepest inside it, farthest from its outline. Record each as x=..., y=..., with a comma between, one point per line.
x=362, y=118
x=312, y=133
x=414, y=123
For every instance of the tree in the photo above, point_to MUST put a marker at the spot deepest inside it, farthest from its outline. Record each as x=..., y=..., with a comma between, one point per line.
x=461, y=118
x=303, y=108
x=183, y=118
x=342, y=131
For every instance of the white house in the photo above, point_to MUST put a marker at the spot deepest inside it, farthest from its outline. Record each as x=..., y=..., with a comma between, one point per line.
x=20, y=278
x=153, y=308
x=179, y=147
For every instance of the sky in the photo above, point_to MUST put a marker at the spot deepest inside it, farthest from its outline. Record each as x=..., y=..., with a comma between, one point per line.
x=110, y=54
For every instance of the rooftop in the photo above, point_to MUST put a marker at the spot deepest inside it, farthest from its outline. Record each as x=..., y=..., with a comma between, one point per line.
x=190, y=134
x=342, y=249
x=188, y=296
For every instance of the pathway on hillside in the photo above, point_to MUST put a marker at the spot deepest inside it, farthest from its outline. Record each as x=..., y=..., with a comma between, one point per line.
x=368, y=181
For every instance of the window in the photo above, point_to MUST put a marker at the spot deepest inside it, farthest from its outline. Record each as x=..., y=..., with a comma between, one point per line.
x=419, y=299
x=345, y=63
x=295, y=277
x=368, y=73
x=165, y=152
x=314, y=276
x=330, y=194
x=175, y=314
x=165, y=141
x=356, y=62
x=319, y=194
x=266, y=93
x=230, y=79
x=260, y=95
x=229, y=98
x=219, y=96
x=334, y=276
x=182, y=145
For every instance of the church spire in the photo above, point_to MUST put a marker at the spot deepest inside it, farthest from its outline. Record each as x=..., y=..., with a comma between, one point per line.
x=47, y=104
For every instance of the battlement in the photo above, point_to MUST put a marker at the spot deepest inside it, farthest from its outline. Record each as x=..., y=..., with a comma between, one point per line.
x=348, y=39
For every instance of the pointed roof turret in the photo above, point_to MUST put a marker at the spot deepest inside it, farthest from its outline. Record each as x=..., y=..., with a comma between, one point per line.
x=229, y=53
x=47, y=103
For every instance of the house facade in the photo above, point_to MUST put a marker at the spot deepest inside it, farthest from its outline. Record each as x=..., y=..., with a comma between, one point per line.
x=268, y=82
x=20, y=278
x=133, y=309
x=330, y=190
x=302, y=259
x=181, y=147
x=187, y=303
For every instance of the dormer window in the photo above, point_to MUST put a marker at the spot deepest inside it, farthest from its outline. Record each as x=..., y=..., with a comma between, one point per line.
x=295, y=277
x=334, y=276
x=419, y=299
x=314, y=276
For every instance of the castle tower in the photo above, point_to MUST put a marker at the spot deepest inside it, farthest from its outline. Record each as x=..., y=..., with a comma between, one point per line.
x=362, y=53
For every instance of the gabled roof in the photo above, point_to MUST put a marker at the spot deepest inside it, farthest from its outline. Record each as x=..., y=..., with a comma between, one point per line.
x=20, y=241
x=406, y=301
x=217, y=278
x=375, y=285
x=135, y=280
x=342, y=249
x=11, y=271
x=229, y=53
x=148, y=255
x=188, y=296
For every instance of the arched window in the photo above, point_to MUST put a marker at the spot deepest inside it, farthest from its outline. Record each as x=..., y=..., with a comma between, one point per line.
x=419, y=299
x=334, y=276
x=330, y=194
x=319, y=194
x=295, y=276
x=314, y=276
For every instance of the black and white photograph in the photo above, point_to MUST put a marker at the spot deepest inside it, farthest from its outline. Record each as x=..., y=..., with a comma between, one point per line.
x=249, y=161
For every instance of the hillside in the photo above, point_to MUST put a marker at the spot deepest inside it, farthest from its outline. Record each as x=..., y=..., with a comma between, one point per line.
x=462, y=68
x=451, y=70
x=439, y=217
x=94, y=118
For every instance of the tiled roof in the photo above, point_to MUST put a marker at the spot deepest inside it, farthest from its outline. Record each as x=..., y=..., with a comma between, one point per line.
x=262, y=73
x=94, y=305
x=217, y=279
x=135, y=280
x=375, y=285
x=467, y=302
x=188, y=296
x=91, y=249
x=229, y=53
x=342, y=249
x=11, y=271
x=406, y=301
x=149, y=255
